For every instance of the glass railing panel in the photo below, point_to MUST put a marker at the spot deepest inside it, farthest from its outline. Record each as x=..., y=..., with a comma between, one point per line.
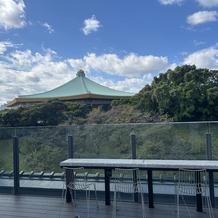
x=171, y=140
x=6, y=156
x=42, y=148
x=101, y=141
x=213, y=133
x=6, y=148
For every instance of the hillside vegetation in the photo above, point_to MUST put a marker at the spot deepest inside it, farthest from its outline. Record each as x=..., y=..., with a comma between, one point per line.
x=183, y=94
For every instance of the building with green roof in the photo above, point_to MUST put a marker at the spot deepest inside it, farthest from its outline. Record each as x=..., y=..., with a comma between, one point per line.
x=79, y=89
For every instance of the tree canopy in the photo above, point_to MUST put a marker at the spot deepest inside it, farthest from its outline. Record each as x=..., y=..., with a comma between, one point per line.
x=184, y=94
x=51, y=113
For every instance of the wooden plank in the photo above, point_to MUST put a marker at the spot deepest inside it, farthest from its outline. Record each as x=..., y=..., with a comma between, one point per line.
x=50, y=207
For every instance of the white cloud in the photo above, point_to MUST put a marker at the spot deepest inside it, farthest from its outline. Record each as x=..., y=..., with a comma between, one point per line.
x=91, y=25
x=205, y=58
x=197, y=43
x=202, y=17
x=208, y=3
x=12, y=14
x=48, y=27
x=133, y=85
x=25, y=72
x=170, y=2
x=128, y=66
x=4, y=45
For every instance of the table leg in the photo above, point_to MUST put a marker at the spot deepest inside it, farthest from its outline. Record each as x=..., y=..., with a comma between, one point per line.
x=211, y=188
x=150, y=189
x=107, y=175
x=198, y=192
x=68, y=179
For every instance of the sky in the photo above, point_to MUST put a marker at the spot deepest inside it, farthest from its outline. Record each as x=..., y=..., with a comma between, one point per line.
x=121, y=44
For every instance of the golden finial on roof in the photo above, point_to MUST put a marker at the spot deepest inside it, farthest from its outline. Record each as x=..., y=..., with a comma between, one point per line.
x=80, y=73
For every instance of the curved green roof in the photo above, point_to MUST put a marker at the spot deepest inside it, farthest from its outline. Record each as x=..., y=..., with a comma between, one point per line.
x=79, y=86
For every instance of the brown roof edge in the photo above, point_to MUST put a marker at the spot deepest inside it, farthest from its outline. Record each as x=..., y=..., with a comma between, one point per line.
x=85, y=96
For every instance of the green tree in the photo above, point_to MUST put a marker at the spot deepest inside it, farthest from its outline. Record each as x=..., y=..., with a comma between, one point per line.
x=11, y=118
x=77, y=111
x=184, y=94
x=43, y=114
x=49, y=113
x=52, y=113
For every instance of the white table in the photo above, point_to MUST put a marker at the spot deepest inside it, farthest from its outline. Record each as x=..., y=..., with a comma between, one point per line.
x=150, y=165
x=140, y=163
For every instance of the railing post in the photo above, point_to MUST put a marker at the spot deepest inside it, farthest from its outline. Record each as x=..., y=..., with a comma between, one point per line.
x=70, y=146
x=210, y=157
x=133, y=145
x=209, y=146
x=16, y=165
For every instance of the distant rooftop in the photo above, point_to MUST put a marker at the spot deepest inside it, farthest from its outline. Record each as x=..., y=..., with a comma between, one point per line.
x=77, y=88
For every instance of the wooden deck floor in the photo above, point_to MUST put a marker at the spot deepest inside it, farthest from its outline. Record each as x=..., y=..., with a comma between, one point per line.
x=50, y=207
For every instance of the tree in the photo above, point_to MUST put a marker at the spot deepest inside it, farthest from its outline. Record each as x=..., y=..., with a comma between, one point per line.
x=76, y=111
x=11, y=118
x=49, y=113
x=184, y=94
x=42, y=114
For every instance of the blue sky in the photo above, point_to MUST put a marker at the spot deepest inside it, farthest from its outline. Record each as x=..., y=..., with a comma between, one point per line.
x=121, y=44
